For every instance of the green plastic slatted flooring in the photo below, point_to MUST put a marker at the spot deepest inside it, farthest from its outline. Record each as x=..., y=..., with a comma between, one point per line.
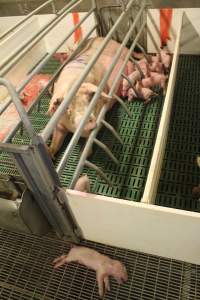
x=138, y=134
x=180, y=172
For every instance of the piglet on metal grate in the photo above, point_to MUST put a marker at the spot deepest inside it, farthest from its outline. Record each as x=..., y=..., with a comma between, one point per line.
x=102, y=264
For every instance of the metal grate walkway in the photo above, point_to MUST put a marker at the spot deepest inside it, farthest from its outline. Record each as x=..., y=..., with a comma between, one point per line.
x=26, y=273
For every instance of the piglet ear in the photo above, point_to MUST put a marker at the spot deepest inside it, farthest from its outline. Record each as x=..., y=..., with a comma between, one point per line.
x=92, y=88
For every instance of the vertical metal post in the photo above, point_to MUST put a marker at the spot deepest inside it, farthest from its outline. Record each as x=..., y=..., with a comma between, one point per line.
x=97, y=18
x=36, y=168
x=54, y=10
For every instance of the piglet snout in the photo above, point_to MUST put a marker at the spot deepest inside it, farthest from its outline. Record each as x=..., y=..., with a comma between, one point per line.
x=90, y=125
x=54, y=105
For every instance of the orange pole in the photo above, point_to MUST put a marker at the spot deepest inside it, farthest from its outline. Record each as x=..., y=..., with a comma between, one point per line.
x=165, y=24
x=78, y=31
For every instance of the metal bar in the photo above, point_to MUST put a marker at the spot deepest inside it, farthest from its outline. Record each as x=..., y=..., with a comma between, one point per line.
x=21, y=111
x=112, y=130
x=14, y=130
x=36, y=38
x=48, y=56
x=54, y=10
x=25, y=18
x=98, y=170
x=42, y=180
x=123, y=105
x=107, y=150
x=97, y=17
x=137, y=66
x=11, y=148
x=144, y=52
x=67, y=99
x=90, y=140
x=126, y=59
x=131, y=83
x=153, y=40
x=95, y=98
x=86, y=150
x=156, y=29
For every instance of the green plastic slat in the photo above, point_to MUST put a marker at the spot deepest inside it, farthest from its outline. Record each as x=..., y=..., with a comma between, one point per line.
x=179, y=171
x=138, y=134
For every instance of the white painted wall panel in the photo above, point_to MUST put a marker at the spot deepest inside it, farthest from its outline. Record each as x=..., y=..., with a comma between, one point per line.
x=142, y=227
x=190, y=35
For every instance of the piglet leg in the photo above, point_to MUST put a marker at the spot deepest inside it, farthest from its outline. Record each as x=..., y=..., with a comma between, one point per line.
x=61, y=260
x=59, y=135
x=103, y=283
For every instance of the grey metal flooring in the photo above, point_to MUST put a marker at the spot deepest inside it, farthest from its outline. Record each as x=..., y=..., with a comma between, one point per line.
x=26, y=273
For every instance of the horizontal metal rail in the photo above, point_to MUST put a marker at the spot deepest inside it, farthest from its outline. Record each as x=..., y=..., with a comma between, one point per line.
x=47, y=58
x=35, y=39
x=101, y=116
x=95, y=98
x=67, y=99
x=14, y=130
x=11, y=29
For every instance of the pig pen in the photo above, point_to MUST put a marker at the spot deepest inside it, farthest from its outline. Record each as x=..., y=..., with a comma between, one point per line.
x=149, y=206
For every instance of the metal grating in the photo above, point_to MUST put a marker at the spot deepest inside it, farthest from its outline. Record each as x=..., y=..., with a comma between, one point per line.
x=26, y=273
x=180, y=172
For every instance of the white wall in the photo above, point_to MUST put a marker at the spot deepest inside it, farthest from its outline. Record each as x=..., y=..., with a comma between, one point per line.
x=136, y=226
x=190, y=36
x=12, y=42
x=53, y=38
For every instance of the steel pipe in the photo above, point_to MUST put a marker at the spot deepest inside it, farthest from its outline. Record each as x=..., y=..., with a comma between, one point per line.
x=98, y=170
x=48, y=56
x=14, y=130
x=123, y=105
x=112, y=130
x=25, y=18
x=137, y=66
x=21, y=111
x=87, y=148
x=95, y=98
x=144, y=53
x=67, y=99
x=107, y=150
x=127, y=58
x=131, y=83
x=35, y=39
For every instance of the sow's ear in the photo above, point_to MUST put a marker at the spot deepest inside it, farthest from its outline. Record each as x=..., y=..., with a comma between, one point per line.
x=92, y=88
